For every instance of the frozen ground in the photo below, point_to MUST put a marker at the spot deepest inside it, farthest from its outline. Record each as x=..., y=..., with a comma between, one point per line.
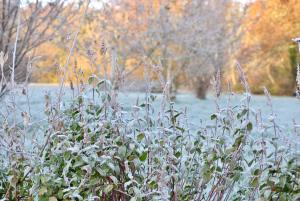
x=286, y=108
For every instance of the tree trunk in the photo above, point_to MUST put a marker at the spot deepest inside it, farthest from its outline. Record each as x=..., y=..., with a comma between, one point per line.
x=201, y=92
x=170, y=80
x=202, y=87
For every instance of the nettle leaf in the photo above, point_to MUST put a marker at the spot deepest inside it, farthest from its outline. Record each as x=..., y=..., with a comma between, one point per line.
x=133, y=199
x=143, y=156
x=257, y=172
x=94, y=181
x=206, y=172
x=240, y=115
x=114, y=179
x=236, y=176
x=153, y=184
x=92, y=79
x=42, y=191
x=140, y=137
x=238, y=141
x=101, y=171
x=213, y=116
x=101, y=82
x=44, y=180
x=255, y=181
x=122, y=151
x=180, y=128
x=178, y=154
x=131, y=157
x=211, y=156
x=111, y=166
x=52, y=199
x=108, y=188
x=250, y=162
x=249, y=126
x=174, y=118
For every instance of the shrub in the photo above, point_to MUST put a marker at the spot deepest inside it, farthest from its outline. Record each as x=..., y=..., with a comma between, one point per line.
x=95, y=149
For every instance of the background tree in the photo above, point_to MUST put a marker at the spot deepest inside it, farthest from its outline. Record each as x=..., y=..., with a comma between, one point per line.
x=187, y=39
x=24, y=26
x=267, y=51
x=210, y=29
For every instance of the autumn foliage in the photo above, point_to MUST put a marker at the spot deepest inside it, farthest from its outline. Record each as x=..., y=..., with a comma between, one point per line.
x=267, y=50
x=185, y=41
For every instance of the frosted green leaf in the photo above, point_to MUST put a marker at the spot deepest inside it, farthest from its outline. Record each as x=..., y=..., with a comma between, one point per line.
x=108, y=188
x=52, y=199
x=143, y=156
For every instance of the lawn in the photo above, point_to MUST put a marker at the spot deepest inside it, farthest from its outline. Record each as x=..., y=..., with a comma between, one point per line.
x=286, y=109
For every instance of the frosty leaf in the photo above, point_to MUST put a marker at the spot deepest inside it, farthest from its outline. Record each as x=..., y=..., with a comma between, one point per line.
x=143, y=156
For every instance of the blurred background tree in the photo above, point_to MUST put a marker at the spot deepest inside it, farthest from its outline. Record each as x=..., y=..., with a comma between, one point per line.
x=267, y=51
x=184, y=41
x=24, y=26
x=179, y=42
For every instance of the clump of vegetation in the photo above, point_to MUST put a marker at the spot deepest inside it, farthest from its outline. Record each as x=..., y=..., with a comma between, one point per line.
x=96, y=150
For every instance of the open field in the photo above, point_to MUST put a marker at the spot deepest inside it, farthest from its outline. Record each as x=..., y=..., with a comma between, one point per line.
x=286, y=109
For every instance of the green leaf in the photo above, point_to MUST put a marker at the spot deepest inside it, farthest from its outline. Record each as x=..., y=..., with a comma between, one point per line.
x=239, y=115
x=175, y=117
x=114, y=179
x=236, y=176
x=80, y=99
x=140, y=137
x=122, y=151
x=213, y=116
x=100, y=83
x=153, y=184
x=256, y=172
x=255, y=181
x=249, y=126
x=108, y=188
x=143, y=156
x=178, y=154
x=206, y=173
x=44, y=180
x=238, y=141
x=131, y=157
x=101, y=171
x=133, y=199
x=43, y=190
x=52, y=199
x=91, y=79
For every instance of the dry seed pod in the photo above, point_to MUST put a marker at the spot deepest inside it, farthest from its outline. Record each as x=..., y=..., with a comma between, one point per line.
x=71, y=84
x=47, y=102
x=24, y=91
x=86, y=137
x=58, y=125
x=26, y=118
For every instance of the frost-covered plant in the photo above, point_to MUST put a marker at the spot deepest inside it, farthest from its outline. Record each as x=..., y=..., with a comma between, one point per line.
x=94, y=149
